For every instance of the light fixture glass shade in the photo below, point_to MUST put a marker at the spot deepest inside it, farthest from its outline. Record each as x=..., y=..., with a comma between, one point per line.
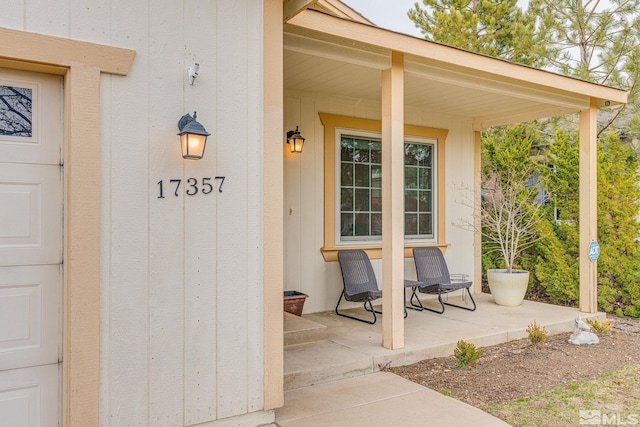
x=193, y=145
x=193, y=137
x=295, y=141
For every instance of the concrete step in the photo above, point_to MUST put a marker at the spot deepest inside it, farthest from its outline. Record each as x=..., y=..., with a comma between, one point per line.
x=320, y=362
x=298, y=330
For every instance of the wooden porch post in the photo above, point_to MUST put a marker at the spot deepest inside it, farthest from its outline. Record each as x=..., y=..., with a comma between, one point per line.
x=588, y=207
x=273, y=193
x=393, y=203
x=477, y=207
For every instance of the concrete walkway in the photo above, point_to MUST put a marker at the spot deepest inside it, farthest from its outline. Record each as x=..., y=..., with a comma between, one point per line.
x=381, y=399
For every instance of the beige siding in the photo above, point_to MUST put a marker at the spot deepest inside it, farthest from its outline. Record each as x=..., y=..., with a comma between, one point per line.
x=305, y=269
x=181, y=277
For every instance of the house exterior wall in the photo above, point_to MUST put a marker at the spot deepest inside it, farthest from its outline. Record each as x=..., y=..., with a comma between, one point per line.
x=305, y=268
x=181, y=277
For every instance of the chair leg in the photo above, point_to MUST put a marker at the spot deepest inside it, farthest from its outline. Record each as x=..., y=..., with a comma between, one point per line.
x=460, y=306
x=413, y=305
x=371, y=310
x=420, y=307
x=441, y=305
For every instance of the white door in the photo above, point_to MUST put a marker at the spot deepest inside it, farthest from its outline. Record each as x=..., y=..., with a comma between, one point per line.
x=31, y=133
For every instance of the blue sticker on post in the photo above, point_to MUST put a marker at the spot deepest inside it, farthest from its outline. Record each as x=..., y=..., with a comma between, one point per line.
x=594, y=251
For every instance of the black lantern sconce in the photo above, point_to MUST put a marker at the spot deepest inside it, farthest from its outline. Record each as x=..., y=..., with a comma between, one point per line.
x=193, y=137
x=295, y=140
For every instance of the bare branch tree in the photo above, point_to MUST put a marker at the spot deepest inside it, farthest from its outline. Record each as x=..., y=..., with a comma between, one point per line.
x=15, y=111
x=509, y=212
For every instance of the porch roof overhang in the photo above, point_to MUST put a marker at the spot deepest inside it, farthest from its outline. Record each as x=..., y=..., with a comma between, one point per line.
x=337, y=56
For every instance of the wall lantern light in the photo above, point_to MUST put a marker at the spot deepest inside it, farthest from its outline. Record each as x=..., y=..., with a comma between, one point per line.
x=295, y=140
x=193, y=137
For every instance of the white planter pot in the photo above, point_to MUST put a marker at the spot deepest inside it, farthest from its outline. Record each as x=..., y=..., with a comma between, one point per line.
x=508, y=288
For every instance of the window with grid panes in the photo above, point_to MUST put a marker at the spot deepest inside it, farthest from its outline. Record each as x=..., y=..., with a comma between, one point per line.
x=360, y=182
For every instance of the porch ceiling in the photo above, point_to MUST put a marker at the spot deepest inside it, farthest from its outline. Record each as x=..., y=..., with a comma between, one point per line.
x=466, y=85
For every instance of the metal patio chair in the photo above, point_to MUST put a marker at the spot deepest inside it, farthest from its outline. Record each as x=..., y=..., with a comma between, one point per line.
x=359, y=282
x=432, y=271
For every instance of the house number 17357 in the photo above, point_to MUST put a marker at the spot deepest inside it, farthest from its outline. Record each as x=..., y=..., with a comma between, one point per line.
x=191, y=187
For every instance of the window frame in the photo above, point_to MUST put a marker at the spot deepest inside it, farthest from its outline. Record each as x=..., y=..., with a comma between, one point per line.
x=332, y=124
x=433, y=142
x=340, y=240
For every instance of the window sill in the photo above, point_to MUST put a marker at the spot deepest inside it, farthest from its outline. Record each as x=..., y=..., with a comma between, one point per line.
x=374, y=251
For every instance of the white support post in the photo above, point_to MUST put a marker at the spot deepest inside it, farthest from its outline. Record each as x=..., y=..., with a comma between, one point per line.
x=393, y=203
x=477, y=208
x=588, y=207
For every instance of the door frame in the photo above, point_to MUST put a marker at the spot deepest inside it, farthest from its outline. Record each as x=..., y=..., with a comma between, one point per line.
x=81, y=64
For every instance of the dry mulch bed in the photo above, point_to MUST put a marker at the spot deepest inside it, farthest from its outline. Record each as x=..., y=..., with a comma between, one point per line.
x=518, y=369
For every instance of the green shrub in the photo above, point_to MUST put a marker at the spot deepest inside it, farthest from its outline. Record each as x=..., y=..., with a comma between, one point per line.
x=466, y=354
x=537, y=334
x=600, y=326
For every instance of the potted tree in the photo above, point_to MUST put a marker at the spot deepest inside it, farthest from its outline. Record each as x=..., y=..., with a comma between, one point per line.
x=511, y=208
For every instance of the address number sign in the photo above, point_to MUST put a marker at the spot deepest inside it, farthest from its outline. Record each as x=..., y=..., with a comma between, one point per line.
x=191, y=187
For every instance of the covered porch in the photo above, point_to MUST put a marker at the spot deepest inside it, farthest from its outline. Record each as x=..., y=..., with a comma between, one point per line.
x=323, y=347
x=341, y=73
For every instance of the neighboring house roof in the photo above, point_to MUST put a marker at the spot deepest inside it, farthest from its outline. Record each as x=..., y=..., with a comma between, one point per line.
x=338, y=56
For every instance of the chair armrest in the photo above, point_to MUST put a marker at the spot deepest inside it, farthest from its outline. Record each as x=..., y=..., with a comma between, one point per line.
x=412, y=283
x=459, y=277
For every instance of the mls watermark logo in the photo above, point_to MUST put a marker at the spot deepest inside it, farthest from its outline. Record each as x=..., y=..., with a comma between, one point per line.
x=590, y=417
x=596, y=417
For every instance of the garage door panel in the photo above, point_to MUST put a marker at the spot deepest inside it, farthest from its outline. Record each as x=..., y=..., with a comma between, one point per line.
x=30, y=230
x=29, y=397
x=30, y=306
x=27, y=135
x=31, y=247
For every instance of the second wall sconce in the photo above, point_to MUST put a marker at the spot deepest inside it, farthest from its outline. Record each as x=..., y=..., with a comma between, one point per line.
x=193, y=137
x=295, y=140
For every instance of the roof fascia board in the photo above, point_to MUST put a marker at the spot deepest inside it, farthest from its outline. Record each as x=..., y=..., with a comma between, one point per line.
x=517, y=116
x=340, y=9
x=323, y=23
x=513, y=89
x=315, y=47
x=291, y=8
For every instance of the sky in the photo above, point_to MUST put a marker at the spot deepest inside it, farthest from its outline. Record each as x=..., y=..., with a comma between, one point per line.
x=389, y=14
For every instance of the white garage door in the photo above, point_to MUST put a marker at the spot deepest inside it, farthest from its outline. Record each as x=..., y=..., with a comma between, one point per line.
x=31, y=133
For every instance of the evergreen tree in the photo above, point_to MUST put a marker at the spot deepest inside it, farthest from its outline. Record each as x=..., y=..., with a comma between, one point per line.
x=555, y=264
x=556, y=258
x=594, y=41
x=496, y=28
x=618, y=207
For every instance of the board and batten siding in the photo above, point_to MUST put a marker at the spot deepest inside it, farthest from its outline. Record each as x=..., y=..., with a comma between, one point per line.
x=305, y=269
x=181, y=277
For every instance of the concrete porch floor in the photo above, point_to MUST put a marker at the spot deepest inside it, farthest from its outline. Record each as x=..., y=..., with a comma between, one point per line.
x=354, y=348
x=327, y=380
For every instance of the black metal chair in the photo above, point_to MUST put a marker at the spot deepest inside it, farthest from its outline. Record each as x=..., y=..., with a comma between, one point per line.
x=432, y=271
x=359, y=282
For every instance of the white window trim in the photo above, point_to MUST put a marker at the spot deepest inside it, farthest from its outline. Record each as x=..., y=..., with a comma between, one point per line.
x=339, y=131
x=434, y=208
